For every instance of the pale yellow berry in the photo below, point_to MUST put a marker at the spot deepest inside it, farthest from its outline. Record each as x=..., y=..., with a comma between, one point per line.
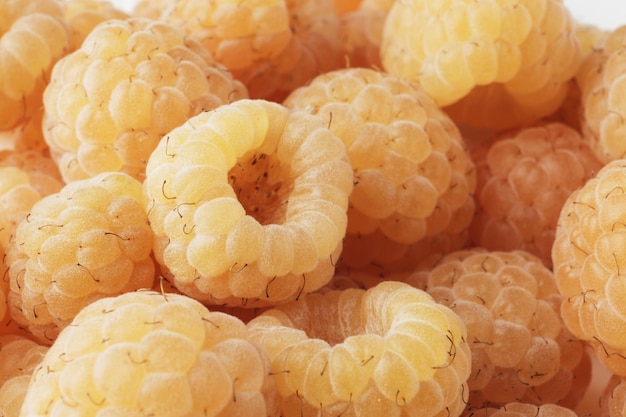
x=250, y=201
x=109, y=102
x=87, y=241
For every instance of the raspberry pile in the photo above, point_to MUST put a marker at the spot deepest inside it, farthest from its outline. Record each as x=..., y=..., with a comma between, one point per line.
x=310, y=208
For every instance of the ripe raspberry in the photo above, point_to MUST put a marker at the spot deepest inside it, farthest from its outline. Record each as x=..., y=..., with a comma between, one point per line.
x=248, y=203
x=590, y=37
x=83, y=15
x=90, y=240
x=238, y=34
x=146, y=353
x=588, y=262
x=387, y=351
x=12, y=394
x=272, y=46
x=28, y=134
x=18, y=356
x=613, y=401
x=517, y=409
x=496, y=65
x=24, y=179
x=413, y=176
x=131, y=82
x=602, y=86
x=42, y=170
x=18, y=359
x=510, y=304
x=33, y=36
x=524, y=177
x=362, y=31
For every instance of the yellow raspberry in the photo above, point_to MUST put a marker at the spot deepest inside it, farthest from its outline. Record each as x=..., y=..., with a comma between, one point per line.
x=238, y=33
x=389, y=351
x=362, y=31
x=19, y=357
x=146, y=353
x=83, y=15
x=33, y=36
x=495, y=64
x=248, y=203
x=602, y=90
x=25, y=178
x=42, y=170
x=590, y=37
x=413, y=176
x=272, y=46
x=90, y=240
x=613, y=400
x=519, y=409
x=132, y=81
x=588, y=263
x=521, y=351
x=525, y=176
x=28, y=134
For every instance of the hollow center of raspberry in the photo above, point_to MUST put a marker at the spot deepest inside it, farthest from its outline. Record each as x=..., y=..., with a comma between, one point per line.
x=262, y=186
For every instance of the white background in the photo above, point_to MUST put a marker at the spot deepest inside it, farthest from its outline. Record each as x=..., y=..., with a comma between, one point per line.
x=607, y=14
